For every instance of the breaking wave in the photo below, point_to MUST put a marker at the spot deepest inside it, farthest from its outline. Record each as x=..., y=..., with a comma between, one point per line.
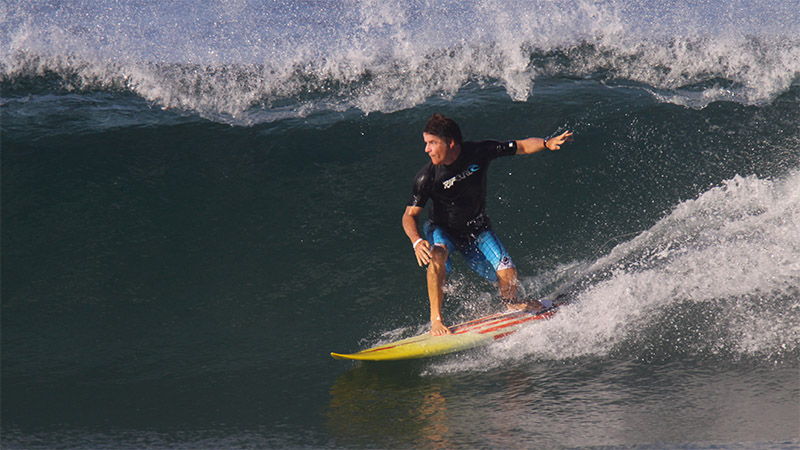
x=252, y=62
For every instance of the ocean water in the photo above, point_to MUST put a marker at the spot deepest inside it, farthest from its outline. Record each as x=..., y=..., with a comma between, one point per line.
x=201, y=200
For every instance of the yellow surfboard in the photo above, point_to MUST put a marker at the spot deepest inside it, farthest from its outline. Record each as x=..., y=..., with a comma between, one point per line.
x=465, y=336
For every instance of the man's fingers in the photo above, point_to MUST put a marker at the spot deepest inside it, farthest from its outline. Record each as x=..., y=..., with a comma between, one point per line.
x=423, y=253
x=426, y=248
x=421, y=259
x=563, y=137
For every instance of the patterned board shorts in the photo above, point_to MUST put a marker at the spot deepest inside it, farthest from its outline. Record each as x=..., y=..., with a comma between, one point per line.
x=485, y=253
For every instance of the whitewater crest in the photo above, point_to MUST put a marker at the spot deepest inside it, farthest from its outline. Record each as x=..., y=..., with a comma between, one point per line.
x=243, y=62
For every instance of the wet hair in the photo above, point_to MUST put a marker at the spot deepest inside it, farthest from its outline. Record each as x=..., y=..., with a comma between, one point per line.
x=443, y=127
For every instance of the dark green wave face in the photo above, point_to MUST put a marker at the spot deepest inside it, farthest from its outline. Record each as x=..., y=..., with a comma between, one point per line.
x=195, y=213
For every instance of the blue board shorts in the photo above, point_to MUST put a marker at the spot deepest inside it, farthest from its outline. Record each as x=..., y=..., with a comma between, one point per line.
x=484, y=254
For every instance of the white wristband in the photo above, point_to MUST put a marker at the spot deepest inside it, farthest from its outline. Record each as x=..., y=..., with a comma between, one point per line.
x=416, y=242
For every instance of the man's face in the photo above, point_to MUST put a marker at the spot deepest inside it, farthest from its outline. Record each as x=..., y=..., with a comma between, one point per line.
x=436, y=148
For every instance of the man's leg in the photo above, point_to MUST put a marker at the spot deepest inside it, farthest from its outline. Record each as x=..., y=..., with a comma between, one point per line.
x=490, y=258
x=437, y=271
x=507, y=282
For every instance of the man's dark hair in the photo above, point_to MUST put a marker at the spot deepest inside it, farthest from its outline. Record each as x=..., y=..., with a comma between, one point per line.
x=444, y=127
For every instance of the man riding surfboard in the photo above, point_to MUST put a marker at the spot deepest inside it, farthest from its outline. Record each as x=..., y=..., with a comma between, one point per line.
x=455, y=182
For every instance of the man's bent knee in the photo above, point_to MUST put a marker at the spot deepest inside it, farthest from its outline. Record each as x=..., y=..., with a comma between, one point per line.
x=438, y=263
x=439, y=255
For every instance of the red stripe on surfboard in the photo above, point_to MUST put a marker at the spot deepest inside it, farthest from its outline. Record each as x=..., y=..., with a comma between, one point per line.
x=502, y=335
x=506, y=325
x=476, y=322
x=377, y=349
x=545, y=315
x=489, y=323
x=497, y=324
x=480, y=330
x=466, y=326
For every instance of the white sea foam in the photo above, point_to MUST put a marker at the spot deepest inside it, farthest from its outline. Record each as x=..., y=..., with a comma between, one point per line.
x=731, y=257
x=246, y=62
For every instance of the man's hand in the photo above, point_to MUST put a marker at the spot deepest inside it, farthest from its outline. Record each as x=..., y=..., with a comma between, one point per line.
x=555, y=143
x=533, y=145
x=423, y=252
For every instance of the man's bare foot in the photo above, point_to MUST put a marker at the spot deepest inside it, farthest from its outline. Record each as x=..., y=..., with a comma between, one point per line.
x=530, y=305
x=438, y=328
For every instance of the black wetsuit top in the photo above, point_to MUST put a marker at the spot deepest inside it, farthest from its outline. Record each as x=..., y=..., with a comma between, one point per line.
x=458, y=190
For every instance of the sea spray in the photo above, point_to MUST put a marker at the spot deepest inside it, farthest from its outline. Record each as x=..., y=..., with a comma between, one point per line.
x=718, y=277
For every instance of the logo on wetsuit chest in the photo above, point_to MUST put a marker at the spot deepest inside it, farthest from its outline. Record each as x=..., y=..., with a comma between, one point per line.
x=470, y=170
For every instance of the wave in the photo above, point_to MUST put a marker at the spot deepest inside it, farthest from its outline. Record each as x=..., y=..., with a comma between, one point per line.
x=249, y=62
x=717, y=278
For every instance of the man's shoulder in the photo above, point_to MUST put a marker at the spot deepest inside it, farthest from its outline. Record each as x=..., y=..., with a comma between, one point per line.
x=426, y=170
x=425, y=174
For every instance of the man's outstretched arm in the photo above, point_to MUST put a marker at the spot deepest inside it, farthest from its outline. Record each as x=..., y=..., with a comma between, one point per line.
x=534, y=145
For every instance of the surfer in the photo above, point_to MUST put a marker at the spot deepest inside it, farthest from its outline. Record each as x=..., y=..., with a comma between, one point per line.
x=455, y=181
